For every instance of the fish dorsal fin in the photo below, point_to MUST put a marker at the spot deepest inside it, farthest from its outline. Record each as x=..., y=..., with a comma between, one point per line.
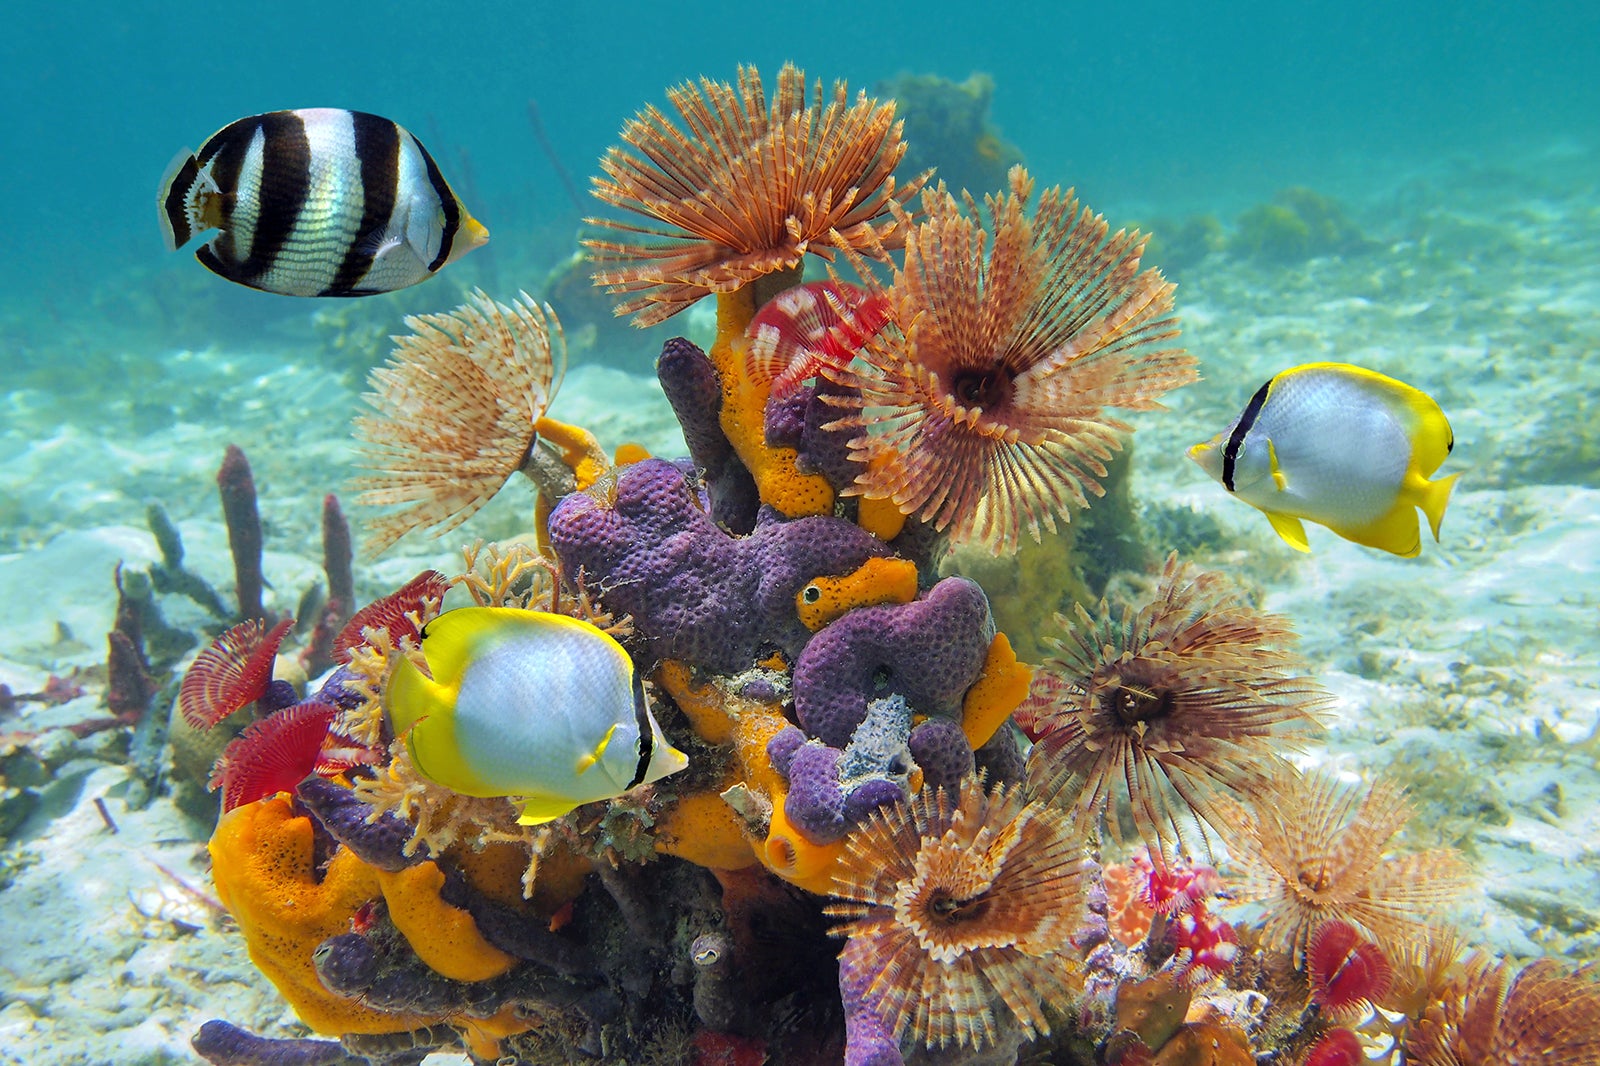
x=1290, y=529
x=1425, y=423
x=586, y=762
x=1278, y=477
x=451, y=640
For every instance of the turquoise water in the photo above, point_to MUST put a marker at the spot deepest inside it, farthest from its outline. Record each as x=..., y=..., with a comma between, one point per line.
x=1176, y=107
x=1445, y=160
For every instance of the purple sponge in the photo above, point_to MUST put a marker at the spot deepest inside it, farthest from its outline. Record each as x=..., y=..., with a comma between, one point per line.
x=696, y=593
x=832, y=790
x=930, y=651
x=941, y=749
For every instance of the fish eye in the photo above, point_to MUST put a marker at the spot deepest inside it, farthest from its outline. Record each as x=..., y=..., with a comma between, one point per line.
x=811, y=594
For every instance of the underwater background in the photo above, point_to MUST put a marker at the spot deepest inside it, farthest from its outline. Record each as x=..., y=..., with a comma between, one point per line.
x=1412, y=188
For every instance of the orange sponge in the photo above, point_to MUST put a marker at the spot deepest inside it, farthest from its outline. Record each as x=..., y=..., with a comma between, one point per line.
x=264, y=867
x=778, y=479
x=444, y=937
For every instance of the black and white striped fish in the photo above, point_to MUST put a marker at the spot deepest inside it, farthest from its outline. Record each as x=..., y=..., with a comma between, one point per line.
x=317, y=202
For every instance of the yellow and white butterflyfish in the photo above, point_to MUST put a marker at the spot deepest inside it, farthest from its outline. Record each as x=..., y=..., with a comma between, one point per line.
x=1342, y=446
x=542, y=708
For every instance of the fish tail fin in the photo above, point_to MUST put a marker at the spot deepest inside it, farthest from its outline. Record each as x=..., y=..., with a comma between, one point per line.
x=1433, y=498
x=409, y=695
x=173, y=197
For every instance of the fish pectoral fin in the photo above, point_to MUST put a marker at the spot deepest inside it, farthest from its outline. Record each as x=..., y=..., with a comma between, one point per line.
x=586, y=762
x=381, y=242
x=1278, y=477
x=537, y=810
x=1290, y=528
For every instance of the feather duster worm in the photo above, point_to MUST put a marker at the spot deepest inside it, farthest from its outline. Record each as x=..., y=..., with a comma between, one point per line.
x=747, y=191
x=1311, y=850
x=797, y=334
x=1337, y=1047
x=983, y=400
x=1162, y=710
x=1204, y=947
x=1347, y=971
x=1542, y=1014
x=232, y=671
x=399, y=614
x=961, y=903
x=274, y=754
x=456, y=407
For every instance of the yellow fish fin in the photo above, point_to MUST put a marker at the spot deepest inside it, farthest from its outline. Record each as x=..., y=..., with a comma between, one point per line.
x=453, y=639
x=1397, y=532
x=1433, y=497
x=586, y=762
x=537, y=810
x=1278, y=477
x=409, y=696
x=1425, y=423
x=1290, y=529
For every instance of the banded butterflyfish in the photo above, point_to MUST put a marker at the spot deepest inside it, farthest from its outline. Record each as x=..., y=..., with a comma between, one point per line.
x=316, y=202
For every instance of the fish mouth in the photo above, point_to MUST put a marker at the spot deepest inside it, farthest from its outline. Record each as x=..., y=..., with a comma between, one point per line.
x=1198, y=451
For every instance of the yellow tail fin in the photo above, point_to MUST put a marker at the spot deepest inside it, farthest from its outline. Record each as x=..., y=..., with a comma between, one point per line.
x=409, y=695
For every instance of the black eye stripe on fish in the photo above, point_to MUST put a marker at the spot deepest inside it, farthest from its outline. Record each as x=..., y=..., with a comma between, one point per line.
x=222, y=166
x=378, y=149
x=647, y=736
x=452, y=209
x=1230, y=453
x=317, y=202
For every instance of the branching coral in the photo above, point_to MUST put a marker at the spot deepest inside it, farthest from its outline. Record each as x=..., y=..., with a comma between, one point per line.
x=456, y=407
x=983, y=399
x=1161, y=710
x=747, y=191
x=441, y=819
x=958, y=904
x=1542, y=1014
x=1311, y=849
